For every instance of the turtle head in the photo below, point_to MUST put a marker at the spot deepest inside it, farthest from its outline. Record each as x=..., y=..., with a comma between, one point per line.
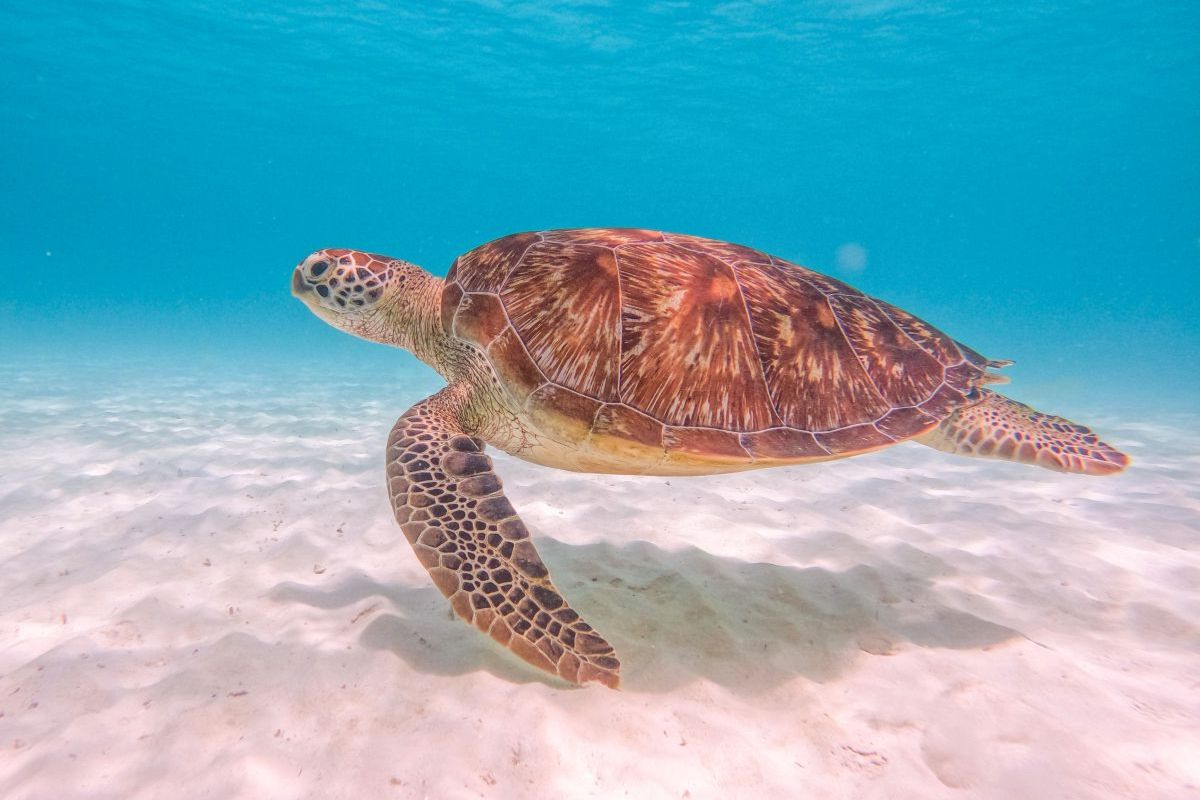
x=365, y=294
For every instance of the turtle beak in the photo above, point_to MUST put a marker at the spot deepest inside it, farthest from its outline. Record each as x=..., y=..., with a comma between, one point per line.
x=300, y=287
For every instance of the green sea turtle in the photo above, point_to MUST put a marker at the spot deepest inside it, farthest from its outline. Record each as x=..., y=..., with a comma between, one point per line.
x=640, y=352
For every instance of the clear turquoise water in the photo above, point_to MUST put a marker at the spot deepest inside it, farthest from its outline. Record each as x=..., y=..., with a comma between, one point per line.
x=203, y=592
x=1023, y=177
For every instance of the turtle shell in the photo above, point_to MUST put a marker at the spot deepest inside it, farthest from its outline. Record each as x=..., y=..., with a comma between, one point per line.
x=696, y=346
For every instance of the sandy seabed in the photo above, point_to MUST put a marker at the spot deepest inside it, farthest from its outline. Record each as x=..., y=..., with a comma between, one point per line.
x=203, y=594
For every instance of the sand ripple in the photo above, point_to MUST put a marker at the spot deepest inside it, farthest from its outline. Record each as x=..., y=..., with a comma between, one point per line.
x=203, y=594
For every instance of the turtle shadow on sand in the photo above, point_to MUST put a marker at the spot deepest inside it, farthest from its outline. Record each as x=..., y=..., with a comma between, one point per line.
x=679, y=616
x=425, y=633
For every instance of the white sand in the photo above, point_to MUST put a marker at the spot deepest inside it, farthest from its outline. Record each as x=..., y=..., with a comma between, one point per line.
x=203, y=595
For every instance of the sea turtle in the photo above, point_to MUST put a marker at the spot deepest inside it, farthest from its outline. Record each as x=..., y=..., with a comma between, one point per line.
x=641, y=352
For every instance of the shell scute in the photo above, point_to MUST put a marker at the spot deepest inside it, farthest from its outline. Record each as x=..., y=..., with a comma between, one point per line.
x=703, y=442
x=782, y=444
x=903, y=374
x=923, y=335
x=622, y=422
x=903, y=423
x=485, y=268
x=557, y=282
x=853, y=439
x=514, y=366
x=814, y=376
x=943, y=402
x=561, y=413
x=480, y=318
x=687, y=354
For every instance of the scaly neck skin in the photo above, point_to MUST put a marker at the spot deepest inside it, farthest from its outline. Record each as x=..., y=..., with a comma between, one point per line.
x=413, y=321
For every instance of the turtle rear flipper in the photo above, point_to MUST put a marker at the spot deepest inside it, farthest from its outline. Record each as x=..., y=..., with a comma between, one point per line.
x=452, y=508
x=997, y=427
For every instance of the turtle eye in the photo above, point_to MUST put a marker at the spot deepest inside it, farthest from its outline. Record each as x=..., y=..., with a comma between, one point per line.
x=318, y=269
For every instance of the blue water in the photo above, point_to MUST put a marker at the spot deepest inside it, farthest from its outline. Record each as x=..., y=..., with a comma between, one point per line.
x=1024, y=176
x=203, y=592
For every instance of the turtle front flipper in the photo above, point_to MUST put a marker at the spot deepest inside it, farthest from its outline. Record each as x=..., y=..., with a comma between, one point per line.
x=452, y=509
x=997, y=427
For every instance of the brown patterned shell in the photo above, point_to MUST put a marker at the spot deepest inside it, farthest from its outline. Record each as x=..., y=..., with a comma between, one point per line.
x=702, y=347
